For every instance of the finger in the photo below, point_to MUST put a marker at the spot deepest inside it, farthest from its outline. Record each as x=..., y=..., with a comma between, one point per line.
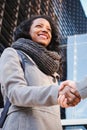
x=70, y=95
x=76, y=93
x=70, y=92
x=73, y=101
x=76, y=100
x=65, y=91
x=72, y=104
x=63, y=84
x=62, y=101
x=65, y=103
x=59, y=99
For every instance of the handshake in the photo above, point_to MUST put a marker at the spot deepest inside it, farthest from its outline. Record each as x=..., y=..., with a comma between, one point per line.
x=68, y=94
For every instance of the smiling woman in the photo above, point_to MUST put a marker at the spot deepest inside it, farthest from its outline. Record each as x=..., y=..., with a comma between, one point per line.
x=33, y=93
x=40, y=31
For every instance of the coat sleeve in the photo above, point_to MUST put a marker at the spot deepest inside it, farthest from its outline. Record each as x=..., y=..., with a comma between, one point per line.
x=82, y=87
x=15, y=85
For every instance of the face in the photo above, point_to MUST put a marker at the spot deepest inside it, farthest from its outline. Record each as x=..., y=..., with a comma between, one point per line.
x=40, y=31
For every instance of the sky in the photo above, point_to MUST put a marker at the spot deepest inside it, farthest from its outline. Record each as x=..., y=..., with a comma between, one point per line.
x=84, y=5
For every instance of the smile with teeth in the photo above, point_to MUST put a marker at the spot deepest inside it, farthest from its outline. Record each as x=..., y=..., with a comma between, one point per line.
x=43, y=36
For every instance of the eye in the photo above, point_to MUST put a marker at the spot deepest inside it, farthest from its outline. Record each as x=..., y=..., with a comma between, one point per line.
x=39, y=26
x=49, y=29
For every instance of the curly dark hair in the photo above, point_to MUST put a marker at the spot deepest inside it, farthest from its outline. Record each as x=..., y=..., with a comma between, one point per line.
x=22, y=31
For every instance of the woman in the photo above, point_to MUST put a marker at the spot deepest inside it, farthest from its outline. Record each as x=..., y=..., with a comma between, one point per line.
x=33, y=93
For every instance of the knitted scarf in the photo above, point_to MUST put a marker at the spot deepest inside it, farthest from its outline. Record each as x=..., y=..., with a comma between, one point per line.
x=47, y=61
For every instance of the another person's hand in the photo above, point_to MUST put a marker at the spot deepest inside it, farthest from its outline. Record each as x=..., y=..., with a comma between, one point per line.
x=68, y=94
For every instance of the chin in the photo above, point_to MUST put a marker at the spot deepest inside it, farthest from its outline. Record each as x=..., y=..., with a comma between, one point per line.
x=44, y=44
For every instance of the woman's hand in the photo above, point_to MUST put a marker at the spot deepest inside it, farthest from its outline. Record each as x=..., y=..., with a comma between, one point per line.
x=68, y=94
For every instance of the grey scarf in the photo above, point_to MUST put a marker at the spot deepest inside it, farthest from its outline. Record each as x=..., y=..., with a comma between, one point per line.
x=47, y=61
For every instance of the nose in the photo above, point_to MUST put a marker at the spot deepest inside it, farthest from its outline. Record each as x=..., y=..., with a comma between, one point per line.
x=44, y=29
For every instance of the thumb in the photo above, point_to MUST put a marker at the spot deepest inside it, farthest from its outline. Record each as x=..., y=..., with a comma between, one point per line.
x=63, y=84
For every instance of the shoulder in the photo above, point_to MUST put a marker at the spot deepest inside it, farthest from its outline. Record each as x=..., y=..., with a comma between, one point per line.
x=8, y=51
x=9, y=56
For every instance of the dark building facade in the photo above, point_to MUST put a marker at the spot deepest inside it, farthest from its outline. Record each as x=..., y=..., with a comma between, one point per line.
x=69, y=15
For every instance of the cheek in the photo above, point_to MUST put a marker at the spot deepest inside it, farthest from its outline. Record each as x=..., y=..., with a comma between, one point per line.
x=31, y=33
x=50, y=38
x=33, y=37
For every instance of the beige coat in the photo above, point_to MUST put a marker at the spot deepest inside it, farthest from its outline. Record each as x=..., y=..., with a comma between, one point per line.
x=33, y=95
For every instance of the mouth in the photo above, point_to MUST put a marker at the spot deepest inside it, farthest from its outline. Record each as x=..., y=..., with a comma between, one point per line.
x=43, y=36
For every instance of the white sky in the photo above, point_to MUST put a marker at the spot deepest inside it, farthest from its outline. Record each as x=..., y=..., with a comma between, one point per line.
x=84, y=5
